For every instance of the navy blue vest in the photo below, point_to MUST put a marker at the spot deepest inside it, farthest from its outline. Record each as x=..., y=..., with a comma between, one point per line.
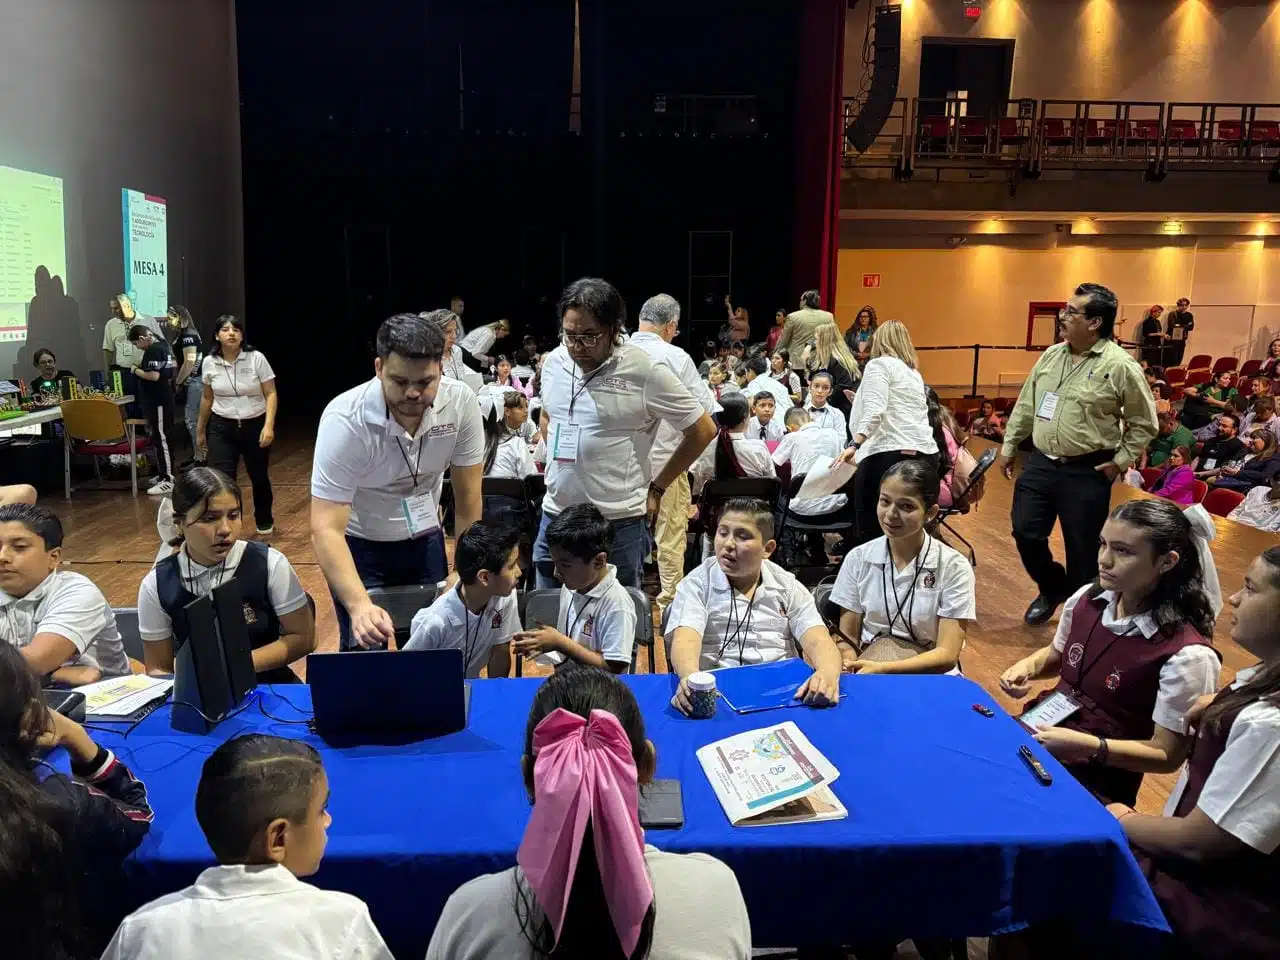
x=259, y=614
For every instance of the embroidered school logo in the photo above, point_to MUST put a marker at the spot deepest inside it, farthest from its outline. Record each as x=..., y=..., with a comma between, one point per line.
x=496, y=622
x=588, y=627
x=1075, y=653
x=1112, y=681
x=613, y=385
x=249, y=615
x=930, y=580
x=442, y=430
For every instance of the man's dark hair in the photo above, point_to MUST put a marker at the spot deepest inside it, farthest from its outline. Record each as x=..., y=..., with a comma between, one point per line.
x=1235, y=421
x=138, y=331
x=1101, y=303
x=248, y=782
x=757, y=365
x=598, y=298
x=1261, y=405
x=811, y=299
x=41, y=521
x=411, y=336
x=484, y=546
x=581, y=531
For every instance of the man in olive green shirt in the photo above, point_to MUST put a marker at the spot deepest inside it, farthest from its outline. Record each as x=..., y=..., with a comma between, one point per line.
x=802, y=326
x=1089, y=413
x=1171, y=435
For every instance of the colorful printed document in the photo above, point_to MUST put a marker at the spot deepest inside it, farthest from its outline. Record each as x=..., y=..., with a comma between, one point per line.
x=123, y=696
x=770, y=776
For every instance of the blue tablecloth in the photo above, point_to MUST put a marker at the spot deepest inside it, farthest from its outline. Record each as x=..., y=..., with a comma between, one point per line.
x=948, y=834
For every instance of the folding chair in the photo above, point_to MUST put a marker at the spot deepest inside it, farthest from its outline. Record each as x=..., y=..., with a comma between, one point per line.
x=961, y=502
x=644, y=629
x=127, y=624
x=717, y=492
x=537, y=608
x=95, y=428
x=799, y=522
x=402, y=603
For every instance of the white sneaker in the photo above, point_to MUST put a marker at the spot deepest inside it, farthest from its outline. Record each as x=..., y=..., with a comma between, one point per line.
x=161, y=488
x=266, y=531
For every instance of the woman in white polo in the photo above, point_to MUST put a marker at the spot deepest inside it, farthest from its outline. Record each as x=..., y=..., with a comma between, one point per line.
x=238, y=414
x=381, y=450
x=602, y=401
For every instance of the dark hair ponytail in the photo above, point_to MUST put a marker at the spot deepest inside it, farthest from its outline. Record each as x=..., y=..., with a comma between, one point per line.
x=1264, y=686
x=196, y=488
x=918, y=477
x=939, y=436
x=587, y=932
x=1179, y=595
x=734, y=412
x=37, y=875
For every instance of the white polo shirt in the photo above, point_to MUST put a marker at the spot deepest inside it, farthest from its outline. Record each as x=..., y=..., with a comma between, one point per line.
x=735, y=632
x=364, y=458
x=455, y=368
x=69, y=605
x=618, y=407
x=237, y=387
x=802, y=448
x=448, y=625
x=249, y=911
x=1242, y=794
x=773, y=430
x=283, y=588
x=513, y=459
x=829, y=418
x=681, y=364
x=766, y=384
x=479, y=341
x=753, y=456
x=602, y=619
x=1185, y=677
x=938, y=583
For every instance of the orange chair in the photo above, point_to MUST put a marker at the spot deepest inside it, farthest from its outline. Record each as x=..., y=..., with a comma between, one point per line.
x=1201, y=490
x=95, y=428
x=1200, y=360
x=1223, y=364
x=1222, y=501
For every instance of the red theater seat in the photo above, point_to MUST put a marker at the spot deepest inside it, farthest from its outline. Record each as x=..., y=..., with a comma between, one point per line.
x=1058, y=132
x=1251, y=368
x=1197, y=377
x=1225, y=363
x=1200, y=361
x=1183, y=133
x=1221, y=501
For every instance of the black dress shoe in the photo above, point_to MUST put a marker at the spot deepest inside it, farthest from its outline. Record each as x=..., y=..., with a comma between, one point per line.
x=1040, y=611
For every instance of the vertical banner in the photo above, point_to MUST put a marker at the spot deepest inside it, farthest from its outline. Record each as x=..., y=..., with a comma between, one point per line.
x=146, y=252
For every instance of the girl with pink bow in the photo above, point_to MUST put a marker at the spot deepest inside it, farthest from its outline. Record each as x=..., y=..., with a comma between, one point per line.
x=587, y=885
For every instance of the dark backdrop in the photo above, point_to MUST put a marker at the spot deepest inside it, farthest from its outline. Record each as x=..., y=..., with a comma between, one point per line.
x=374, y=184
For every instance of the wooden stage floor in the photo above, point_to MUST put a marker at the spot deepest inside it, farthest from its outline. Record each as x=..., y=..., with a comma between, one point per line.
x=112, y=539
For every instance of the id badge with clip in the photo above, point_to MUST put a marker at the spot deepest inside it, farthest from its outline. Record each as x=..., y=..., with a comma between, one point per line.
x=1050, y=711
x=564, y=445
x=420, y=514
x=1048, y=405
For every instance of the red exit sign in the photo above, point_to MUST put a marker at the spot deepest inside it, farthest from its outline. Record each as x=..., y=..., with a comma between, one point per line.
x=972, y=11
x=871, y=279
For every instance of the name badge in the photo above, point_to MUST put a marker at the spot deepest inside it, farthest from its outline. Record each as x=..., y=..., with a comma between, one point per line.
x=564, y=445
x=1209, y=464
x=420, y=514
x=1050, y=711
x=1048, y=404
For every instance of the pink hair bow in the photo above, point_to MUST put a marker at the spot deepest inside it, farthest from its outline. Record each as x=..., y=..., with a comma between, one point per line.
x=583, y=771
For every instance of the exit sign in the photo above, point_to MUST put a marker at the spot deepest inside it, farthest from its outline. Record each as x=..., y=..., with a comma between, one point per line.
x=871, y=279
x=972, y=11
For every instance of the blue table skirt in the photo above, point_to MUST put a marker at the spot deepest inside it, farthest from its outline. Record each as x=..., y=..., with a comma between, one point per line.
x=948, y=834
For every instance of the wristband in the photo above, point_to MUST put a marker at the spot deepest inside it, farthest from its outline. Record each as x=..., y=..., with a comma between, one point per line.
x=1100, y=755
x=660, y=491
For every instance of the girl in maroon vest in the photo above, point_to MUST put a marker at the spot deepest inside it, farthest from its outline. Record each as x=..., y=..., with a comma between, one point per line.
x=1130, y=653
x=1212, y=859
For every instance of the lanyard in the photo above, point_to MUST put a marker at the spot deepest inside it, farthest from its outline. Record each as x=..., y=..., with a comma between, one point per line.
x=743, y=628
x=909, y=597
x=573, y=379
x=412, y=467
x=572, y=619
x=192, y=580
x=1066, y=374
x=470, y=641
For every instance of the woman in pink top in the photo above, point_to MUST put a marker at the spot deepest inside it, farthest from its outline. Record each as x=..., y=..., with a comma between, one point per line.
x=1178, y=481
x=775, y=332
x=505, y=378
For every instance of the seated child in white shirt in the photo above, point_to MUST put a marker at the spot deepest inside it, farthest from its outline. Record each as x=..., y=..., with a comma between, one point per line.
x=596, y=624
x=58, y=620
x=479, y=615
x=823, y=413
x=763, y=425
x=803, y=445
x=732, y=454
x=740, y=608
x=261, y=803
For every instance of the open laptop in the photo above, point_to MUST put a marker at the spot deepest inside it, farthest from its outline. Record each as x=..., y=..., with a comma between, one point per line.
x=380, y=696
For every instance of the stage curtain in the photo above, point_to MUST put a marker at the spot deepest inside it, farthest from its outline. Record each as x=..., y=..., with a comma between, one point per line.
x=819, y=130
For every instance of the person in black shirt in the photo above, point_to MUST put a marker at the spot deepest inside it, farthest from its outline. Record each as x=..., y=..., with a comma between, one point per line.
x=1225, y=448
x=49, y=374
x=1152, y=336
x=1180, y=319
x=155, y=392
x=188, y=354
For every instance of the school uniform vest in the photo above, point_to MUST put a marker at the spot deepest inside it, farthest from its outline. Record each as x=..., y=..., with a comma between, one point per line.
x=1116, y=680
x=259, y=613
x=1225, y=908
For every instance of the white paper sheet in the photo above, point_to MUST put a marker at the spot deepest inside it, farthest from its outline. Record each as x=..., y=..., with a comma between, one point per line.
x=824, y=478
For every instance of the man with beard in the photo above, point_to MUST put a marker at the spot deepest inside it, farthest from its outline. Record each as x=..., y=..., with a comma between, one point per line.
x=380, y=451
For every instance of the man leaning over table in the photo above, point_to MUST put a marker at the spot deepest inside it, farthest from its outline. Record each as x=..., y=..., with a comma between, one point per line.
x=380, y=452
x=1089, y=413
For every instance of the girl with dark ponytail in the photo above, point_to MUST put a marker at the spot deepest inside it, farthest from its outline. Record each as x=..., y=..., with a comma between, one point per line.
x=1132, y=654
x=1211, y=861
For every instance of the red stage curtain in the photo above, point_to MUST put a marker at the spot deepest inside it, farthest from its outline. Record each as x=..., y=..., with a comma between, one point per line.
x=819, y=131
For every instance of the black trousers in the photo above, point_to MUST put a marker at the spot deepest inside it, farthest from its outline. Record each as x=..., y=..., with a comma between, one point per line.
x=233, y=440
x=159, y=414
x=866, y=488
x=1074, y=493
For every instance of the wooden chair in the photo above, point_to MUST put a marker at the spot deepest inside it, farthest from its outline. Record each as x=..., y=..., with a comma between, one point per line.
x=1221, y=501
x=94, y=427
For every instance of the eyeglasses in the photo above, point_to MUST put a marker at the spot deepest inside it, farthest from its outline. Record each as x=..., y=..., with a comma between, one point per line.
x=1066, y=313
x=581, y=340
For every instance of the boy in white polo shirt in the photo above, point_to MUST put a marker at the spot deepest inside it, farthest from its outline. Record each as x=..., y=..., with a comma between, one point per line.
x=59, y=620
x=740, y=608
x=596, y=625
x=764, y=424
x=381, y=450
x=479, y=615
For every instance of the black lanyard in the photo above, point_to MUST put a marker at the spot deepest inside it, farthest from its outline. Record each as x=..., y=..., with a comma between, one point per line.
x=743, y=628
x=412, y=467
x=572, y=619
x=190, y=581
x=1066, y=374
x=470, y=642
x=573, y=379
x=910, y=596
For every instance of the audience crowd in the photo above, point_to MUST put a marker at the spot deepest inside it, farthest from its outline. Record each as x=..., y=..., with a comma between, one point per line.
x=619, y=431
